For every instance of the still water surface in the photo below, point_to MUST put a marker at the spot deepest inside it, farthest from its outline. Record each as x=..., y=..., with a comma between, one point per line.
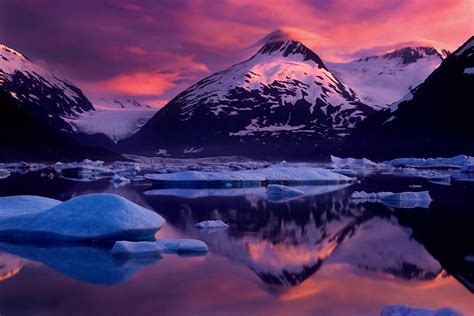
x=320, y=254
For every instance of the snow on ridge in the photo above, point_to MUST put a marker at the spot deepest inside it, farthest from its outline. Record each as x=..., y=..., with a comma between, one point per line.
x=468, y=46
x=12, y=61
x=380, y=80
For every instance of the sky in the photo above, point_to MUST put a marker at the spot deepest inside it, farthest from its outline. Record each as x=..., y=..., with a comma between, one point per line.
x=150, y=50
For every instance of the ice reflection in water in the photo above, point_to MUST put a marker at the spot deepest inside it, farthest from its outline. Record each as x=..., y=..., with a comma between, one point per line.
x=321, y=247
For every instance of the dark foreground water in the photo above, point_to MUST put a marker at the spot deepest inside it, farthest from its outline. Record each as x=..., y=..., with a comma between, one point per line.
x=315, y=255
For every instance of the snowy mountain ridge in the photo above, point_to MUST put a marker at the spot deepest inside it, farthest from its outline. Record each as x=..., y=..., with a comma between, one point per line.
x=284, y=94
x=38, y=91
x=384, y=79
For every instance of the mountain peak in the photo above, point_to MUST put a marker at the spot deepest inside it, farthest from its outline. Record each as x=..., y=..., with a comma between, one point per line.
x=412, y=54
x=11, y=51
x=284, y=43
x=280, y=35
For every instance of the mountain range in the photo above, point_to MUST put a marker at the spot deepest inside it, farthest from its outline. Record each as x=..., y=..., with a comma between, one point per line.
x=434, y=119
x=283, y=102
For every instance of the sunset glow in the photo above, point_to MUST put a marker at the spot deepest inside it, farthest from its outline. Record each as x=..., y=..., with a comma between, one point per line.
x=153, y=50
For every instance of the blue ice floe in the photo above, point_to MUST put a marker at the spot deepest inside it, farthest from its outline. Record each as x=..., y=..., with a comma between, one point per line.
x=87, y=217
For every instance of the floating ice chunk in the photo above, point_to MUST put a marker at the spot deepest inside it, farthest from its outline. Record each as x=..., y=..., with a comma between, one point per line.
x=211, y=224
x=11, y=206
x=400, y=200
x=86, y=170
x=468, y=168
x=369, y=196
x=274, y=174
x=182, y=245
x=118, y=180
x=408, y=199
x=404, y=310
x=4, y=173
x=453, y=162
x=125, y=248
x=352, y=162
x=463, y=176
x=87, y=217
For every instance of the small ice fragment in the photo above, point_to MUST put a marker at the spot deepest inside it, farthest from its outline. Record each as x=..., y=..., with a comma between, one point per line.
x=211, y=224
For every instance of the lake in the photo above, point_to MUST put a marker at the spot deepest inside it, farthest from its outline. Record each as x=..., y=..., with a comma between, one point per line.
x=319, y=254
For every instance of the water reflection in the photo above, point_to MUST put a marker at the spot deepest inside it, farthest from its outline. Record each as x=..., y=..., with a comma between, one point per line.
x=10, y=266
x=322, y=246
x=87, y=263
x=285, y=244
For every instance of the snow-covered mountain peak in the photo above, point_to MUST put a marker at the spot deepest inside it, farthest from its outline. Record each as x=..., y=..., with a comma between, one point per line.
x=291, y=48
x=410, y=55
x=381, y=80
x=10, y=52
x=40, y=92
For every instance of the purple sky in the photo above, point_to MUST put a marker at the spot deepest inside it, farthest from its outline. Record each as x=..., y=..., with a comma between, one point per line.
x=151, y=50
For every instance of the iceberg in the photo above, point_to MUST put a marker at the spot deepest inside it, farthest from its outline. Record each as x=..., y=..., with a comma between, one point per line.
x=119, y=181
x=456, y=162
x=277, y=174
x=86, y=170
x=467, y=168
x=182, y=245
x=404, y=310
x=353, y=163
x=218, y=224
x=12, y=206
x=87, y=217
x=125, y=248
x=400, y=200
x=4, y=173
